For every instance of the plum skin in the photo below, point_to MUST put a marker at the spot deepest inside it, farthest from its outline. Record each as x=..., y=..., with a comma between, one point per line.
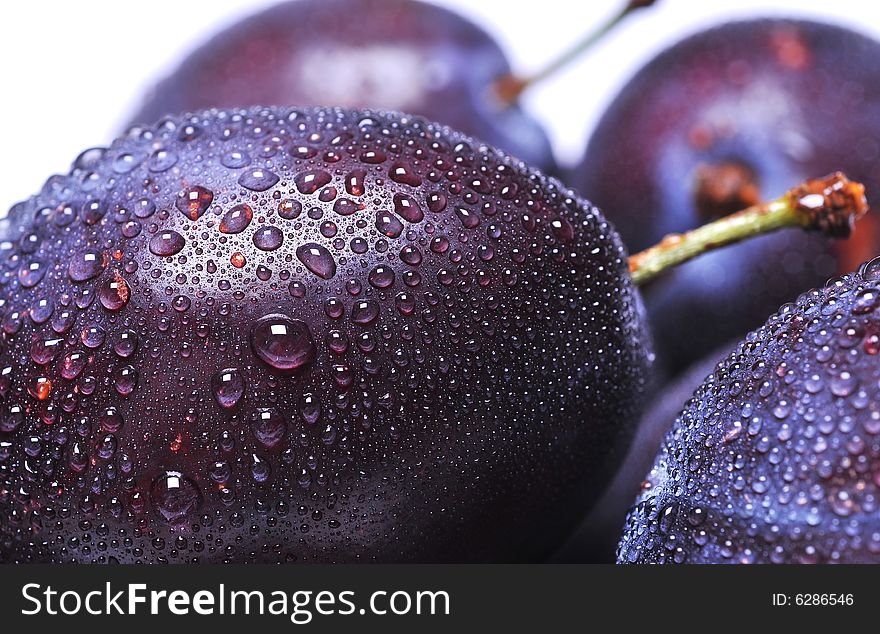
x=783, y=99
x=389, y=408
x=401, y=55
x=775, y=458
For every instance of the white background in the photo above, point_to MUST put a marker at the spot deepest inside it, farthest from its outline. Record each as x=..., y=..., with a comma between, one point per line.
x=73, y=71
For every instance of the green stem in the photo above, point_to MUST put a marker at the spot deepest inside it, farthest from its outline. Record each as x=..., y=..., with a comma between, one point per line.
x=828, y=205
x=510, y=87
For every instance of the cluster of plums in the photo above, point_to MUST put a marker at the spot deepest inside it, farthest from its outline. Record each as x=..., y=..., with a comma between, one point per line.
x=294, y=325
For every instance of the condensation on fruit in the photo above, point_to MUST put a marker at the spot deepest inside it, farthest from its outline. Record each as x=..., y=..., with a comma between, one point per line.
x=305, y=335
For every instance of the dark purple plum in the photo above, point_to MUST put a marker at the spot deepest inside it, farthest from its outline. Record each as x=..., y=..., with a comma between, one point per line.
x=776, y=458
x=726, y=117
x=271, y=335
x=595, y=540
x=401, y=55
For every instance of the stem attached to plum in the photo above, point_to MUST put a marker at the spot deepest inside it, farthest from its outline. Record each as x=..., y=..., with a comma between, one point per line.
x=828, y=205
x=509, y=87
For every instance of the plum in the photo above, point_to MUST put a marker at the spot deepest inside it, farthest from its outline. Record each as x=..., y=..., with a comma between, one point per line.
x=399, y=55
x=776, y=457
x=725, y=118
x=314, y=335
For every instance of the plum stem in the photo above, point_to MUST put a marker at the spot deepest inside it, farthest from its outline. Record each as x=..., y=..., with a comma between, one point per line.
x=509, y=87
x=828, y=205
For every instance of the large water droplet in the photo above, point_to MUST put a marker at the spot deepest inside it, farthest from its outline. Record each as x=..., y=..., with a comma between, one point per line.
x=408, y=208
x=195, y=202
x=468, y=218
x=317, y=259
x=562, y=229
x=843, y=384
x=373, y=157
x=13, y=417
x=220, y=472
x=260, y=469
x=346, y=206
x=227, y=386
x=268, y=238
x=289, y=209
x=93, y=336
x=126, y=344
x=114, y=293
x=85, y=265
x=44, y=351
x=311, y=181
x=436, y=202
x=92, y=212
x=40, y=387
x=355, y=182
x=111, y=420
x=235, y=159
x=258, y=180
x=381, y=276
x=42, y=310
x=12, y=322
x=238, y=260
x=871, y=270
x=365, y=312
x=144, y=208
x=282, y=342
x=237, y=219
x=268, y=427
x=166, y=243
x=29, y=243
x=411, y=255
x=405, y=303
x=125, y=380
x=162, y=160
x=866, y=301
x=73, y=364
x=31, y=274
x=401, y=173
x=175, y=498
x=388, y=225
x=89, y=159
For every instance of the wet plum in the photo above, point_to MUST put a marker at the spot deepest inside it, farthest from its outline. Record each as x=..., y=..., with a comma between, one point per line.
x=269, y=335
